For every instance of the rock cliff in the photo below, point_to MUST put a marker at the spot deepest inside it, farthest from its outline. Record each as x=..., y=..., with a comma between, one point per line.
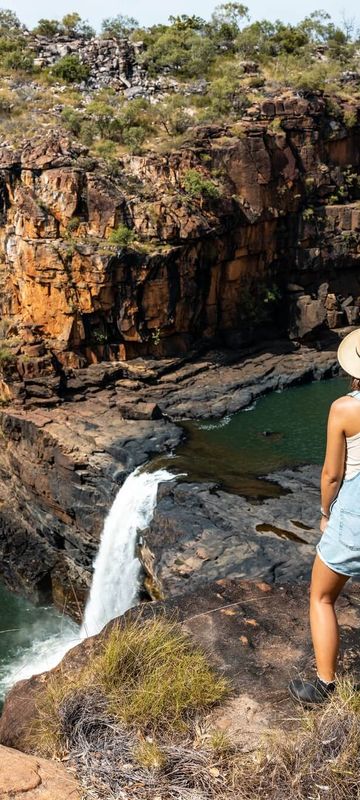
x=243, y=234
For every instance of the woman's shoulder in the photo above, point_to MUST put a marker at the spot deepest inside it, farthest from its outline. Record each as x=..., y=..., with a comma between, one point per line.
x=345, y=403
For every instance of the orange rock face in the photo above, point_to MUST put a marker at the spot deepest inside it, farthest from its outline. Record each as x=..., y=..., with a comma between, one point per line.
x=199, y=264
x=27, y=777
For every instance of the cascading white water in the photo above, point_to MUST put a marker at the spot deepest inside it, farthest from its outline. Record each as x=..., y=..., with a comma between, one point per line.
x=116, y=571
x=115, y=581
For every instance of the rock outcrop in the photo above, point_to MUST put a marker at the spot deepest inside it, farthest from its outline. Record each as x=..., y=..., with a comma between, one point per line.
x=29, y=778
x=271, y=249
x=256, y=634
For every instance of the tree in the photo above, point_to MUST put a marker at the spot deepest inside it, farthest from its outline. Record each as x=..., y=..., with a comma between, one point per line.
x=72, y=119
x=230, y=14
x=185, y=23
x=317, y=26
x=253, y=41
x=73, y=25
x=172, y=116
x=10, y=23
x=118, y=27
x=103, y=114
x=180, y=50
x=47, y=27
x=14, y=52
x=225, y=24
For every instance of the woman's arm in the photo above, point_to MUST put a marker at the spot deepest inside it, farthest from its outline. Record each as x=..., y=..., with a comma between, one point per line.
x=334, y=464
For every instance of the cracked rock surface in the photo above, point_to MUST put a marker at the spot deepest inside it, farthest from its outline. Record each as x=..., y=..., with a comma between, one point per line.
x=201, y=533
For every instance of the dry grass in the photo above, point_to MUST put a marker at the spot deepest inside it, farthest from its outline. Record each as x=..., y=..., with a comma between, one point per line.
x=133, y=724
x=321, y=762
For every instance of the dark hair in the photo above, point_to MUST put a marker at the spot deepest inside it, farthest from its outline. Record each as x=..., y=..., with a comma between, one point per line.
x=355, y=384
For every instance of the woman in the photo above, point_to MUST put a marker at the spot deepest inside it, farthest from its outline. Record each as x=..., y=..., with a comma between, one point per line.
x=338, y=552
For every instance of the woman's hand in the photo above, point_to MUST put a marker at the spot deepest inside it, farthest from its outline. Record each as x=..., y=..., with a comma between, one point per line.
x=323, y=523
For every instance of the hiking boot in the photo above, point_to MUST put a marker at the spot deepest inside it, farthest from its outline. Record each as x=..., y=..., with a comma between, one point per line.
x=311, y=693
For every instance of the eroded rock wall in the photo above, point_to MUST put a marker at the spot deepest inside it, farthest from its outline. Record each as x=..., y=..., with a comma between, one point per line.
x=275, y=248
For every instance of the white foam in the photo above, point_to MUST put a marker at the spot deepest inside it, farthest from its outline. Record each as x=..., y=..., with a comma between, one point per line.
x=115, y=582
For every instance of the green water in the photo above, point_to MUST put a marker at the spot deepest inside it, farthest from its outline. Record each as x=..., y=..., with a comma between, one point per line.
x=28, y=634
x=235, y=452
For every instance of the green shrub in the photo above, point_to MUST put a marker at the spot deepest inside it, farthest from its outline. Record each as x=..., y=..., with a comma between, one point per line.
x=134, y=138
x=122, y=235
x=196, y=185
x=6, y=356
x=18, y=58
x=70, y=69
x=308, y=214
x=73, y=224
x=87, y=132
x=73, y=25
x=350, y=118
x=47, y=27
x=150, y=675
x=72, y=120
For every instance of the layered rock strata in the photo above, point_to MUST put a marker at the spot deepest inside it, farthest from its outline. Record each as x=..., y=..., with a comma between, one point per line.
x=272, y=249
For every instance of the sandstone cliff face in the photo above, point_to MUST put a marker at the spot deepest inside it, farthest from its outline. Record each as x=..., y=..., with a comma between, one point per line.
x=274, y=251
x=280, y=242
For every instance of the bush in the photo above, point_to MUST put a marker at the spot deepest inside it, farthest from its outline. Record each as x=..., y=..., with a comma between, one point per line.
x=134, y=138
x=17, y=58
x=196, y=185
x=70, y=69
x=350, y=118
x=72, y=120
x=73, y=25
x=179, y=49
x=6, y=356
x=9, y=102
x=48, y=28
x=122, y=235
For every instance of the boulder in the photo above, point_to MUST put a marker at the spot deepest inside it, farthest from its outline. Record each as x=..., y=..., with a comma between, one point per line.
x=24, y=777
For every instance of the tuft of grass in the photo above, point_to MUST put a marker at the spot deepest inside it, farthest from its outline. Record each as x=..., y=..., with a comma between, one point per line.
x=149, y=755
x=153, y=676
x=148, y=675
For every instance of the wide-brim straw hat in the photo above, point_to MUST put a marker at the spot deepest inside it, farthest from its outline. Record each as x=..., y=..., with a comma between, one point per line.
x=348, y=353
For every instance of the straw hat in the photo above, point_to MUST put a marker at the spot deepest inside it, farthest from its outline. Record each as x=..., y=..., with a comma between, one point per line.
x=348, y=353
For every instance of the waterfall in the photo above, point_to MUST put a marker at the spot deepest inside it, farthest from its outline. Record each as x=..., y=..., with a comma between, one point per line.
x=116, y=571
x=115, y=581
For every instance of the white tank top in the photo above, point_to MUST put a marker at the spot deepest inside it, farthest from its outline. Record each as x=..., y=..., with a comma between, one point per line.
x=352, y=464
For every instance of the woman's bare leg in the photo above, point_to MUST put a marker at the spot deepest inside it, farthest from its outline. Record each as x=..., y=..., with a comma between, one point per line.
x=326, y=586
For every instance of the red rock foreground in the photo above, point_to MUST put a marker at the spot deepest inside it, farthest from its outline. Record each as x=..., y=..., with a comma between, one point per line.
x=30, y=778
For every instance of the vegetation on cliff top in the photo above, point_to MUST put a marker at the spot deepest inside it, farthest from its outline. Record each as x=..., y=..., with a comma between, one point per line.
x=210, y=71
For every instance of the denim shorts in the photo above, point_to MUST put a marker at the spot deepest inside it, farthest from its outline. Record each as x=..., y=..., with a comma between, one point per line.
x=339, y=546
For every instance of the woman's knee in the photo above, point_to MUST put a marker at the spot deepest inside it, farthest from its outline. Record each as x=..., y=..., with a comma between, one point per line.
x=323, y=597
